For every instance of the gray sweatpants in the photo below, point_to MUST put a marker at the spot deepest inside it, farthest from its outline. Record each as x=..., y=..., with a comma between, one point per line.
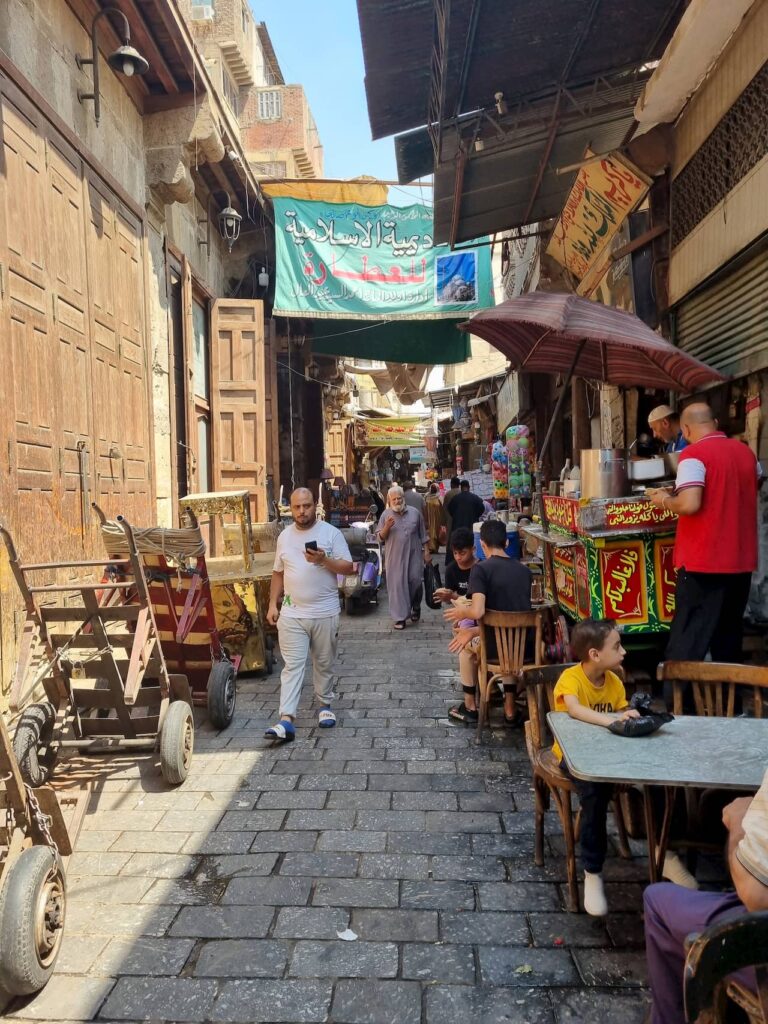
x=298, y=639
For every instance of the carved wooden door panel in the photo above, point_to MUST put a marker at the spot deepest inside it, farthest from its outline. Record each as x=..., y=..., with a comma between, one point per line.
x=238, y=400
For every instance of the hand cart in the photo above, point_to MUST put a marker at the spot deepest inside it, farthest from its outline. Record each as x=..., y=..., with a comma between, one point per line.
x=240, y=599
x=197, y=626
x=33, y=841
x=104, y=675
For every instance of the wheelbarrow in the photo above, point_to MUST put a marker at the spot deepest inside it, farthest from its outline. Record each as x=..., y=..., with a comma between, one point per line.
x=202, y=626
x=237, y=576
x=104, y=674
x=33, y=842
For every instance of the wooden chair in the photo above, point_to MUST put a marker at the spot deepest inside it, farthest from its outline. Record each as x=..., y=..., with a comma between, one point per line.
x=726, y=947
x=549, y=781
x=713, y=684
x=508, y=631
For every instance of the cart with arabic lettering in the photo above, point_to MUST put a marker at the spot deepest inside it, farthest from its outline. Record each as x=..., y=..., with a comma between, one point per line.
x=611, y=558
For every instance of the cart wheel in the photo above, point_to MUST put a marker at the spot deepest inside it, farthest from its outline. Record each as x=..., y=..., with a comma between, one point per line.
x=177, y=741
x=222, y=691
x=31, y=920
x=269, y=656
x=350, y=605
x=32, y=743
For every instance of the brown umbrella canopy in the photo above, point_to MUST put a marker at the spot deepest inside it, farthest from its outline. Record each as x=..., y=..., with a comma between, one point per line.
x=542, y=332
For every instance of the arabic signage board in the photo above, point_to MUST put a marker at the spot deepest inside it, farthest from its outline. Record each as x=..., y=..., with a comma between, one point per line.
x=400, y=432
x=507, y=402
x=666, y=578
x=561, y=512
x=372, y=262
x=623, y=582
x=604, y=194
x=421, y=455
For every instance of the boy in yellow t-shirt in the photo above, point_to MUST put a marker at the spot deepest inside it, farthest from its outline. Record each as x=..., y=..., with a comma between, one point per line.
x=592, y=692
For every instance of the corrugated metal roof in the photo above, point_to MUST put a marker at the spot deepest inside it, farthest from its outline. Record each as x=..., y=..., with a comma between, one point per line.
x=518, y=49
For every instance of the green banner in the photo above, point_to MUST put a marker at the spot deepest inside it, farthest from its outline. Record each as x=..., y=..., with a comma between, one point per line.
x=371, y=263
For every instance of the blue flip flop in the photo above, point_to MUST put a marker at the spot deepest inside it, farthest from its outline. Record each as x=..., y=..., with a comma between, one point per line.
x=282, y=732
x=326, y=718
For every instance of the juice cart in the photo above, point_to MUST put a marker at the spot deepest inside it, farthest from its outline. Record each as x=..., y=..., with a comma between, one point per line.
x=239, y=578
x=610, y=558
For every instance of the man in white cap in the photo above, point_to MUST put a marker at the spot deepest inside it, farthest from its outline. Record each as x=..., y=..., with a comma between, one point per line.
x=665, y=424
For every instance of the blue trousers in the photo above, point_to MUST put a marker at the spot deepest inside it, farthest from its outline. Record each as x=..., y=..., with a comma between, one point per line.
x=672, y=913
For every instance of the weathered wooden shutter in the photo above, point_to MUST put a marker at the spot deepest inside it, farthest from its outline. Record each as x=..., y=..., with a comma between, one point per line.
x=238, y=400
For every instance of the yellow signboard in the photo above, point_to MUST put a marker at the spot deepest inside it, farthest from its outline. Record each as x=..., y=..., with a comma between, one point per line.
x=603, y=195
x=397, y=432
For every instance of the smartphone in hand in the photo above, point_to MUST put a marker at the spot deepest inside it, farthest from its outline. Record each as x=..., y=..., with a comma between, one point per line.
x=311, y=545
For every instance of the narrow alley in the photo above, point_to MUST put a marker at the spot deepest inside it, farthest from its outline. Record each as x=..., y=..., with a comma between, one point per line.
x=224, y=900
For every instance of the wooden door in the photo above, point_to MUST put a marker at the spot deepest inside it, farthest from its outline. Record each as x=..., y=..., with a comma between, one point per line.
x=271, y=410
x=238, y=400
x=335, y=456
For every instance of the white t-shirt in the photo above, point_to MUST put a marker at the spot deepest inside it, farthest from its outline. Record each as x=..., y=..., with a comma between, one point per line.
x=310, y=591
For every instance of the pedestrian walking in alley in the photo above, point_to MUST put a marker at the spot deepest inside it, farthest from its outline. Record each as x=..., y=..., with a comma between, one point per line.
x=434, y=514
x=412, y=497
x=447, y=500
x=309, y=555
x=402, y=530
x=466, y=510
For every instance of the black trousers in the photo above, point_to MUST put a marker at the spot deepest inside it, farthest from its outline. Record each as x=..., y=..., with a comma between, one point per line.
x=709, y=616
x=595, y=798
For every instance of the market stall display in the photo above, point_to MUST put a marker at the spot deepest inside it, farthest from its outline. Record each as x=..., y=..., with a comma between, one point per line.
x=103, y=670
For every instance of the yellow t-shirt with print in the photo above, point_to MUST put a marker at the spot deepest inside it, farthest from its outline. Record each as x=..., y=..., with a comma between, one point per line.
x=609, y=697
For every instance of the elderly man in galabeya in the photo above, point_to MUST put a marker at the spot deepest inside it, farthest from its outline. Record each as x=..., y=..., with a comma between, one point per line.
x=715, y=498
x=309, y=555
x=404, y=534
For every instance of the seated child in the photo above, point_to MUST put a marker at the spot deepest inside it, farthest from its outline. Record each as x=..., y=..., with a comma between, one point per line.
x=592, y=692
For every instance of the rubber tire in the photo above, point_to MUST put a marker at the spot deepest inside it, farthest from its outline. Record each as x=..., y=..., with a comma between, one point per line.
x=269, y=656
x=175, y=758
x=350, y=605
x=222, y=694
x=35, y=730
x=22, y=971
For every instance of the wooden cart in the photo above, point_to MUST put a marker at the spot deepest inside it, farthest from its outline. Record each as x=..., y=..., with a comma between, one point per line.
x=33, y=841
x=201, y=625
x=239, y=577
x=104, y=675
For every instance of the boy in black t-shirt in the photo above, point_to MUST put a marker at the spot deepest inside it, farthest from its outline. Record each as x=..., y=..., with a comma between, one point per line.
x=500, y=584
x=457, y=573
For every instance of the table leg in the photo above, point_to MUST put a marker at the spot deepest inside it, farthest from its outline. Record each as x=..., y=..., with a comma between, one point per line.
x=657, y=851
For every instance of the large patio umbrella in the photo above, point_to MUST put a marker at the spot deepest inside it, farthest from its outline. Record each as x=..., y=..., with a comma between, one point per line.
x=553, y=332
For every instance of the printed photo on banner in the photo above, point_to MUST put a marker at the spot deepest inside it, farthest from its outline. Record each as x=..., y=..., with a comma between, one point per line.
x=456, y=278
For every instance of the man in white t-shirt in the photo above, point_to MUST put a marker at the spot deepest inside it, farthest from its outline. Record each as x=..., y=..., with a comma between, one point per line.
x=309, y=555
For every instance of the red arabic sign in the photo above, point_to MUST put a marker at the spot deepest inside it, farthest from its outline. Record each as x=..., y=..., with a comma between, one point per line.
x=561, y=512
x=565, y=577
x=666, y=578
x=583, y=600
x=623, y=582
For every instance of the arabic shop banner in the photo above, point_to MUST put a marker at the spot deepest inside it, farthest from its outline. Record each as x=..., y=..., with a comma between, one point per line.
x=372, y=262
x=398, y=432
x=603, y=195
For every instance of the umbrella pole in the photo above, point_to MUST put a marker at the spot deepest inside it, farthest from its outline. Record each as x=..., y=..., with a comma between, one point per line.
x=548, y=558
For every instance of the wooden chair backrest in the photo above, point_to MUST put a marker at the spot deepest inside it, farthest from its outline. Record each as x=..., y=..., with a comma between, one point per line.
x=509, y=630
x=713, y=684
x=540, y=694
x=724, y=948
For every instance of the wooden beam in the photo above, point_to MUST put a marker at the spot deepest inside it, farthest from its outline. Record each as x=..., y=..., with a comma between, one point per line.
x=155, y=103
x=166, y=15
x=642, y=240
x=146, y=44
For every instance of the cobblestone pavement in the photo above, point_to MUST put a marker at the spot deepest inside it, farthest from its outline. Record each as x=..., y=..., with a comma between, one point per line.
x=223, y=900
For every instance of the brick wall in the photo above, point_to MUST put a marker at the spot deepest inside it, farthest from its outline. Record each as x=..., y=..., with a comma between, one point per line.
x=266, y=140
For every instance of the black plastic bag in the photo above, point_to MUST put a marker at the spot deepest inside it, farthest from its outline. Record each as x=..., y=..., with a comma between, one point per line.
x=432, y=582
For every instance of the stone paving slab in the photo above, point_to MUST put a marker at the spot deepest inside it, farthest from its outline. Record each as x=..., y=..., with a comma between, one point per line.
x=223, y=899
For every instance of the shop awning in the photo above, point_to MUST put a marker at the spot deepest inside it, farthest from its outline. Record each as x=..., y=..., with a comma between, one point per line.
x=429, y=342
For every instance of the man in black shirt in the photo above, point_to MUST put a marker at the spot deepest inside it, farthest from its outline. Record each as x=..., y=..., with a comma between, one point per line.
x=457, y=573
x=447, y=502
x=500, y=584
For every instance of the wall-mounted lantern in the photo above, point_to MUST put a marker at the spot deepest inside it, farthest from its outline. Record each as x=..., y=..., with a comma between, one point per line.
x=125, y=60
x=229, y=223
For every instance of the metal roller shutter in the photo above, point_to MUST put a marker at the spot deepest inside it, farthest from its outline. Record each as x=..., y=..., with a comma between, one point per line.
x=726, y=324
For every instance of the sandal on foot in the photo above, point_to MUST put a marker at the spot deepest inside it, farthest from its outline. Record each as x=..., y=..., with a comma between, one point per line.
x=399, y=625
x=282, y=731
x=326, y=718
x=461, y=713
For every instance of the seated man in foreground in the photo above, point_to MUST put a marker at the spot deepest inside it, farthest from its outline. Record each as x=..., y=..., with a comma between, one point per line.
x=499, y=584
x=672, y=913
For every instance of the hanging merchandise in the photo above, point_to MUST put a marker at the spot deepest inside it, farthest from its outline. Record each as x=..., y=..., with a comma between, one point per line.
x=500, y=470
x=520, y=457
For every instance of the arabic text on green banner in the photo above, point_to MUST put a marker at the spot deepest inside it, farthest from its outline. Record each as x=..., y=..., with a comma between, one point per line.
x=372, y=263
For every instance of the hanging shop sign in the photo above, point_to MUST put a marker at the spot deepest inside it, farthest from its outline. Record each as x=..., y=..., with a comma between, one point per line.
x=604, y=194
x=623, y=581
x=508, y=402
x=398, y=432
x=421, y=455
x=372, y=262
